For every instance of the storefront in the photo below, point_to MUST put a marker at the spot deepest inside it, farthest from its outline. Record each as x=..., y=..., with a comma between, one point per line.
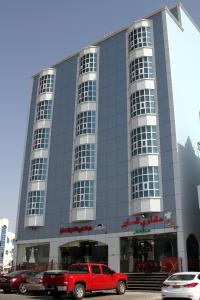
x=84, y=252
x=150, y=253
x=33, y=256
x=127, y=252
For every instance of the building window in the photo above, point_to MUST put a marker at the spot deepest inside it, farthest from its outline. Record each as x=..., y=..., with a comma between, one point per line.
x=83, y=193
x=141, y=68
x=139, y=37
x=46, y=84
x=44, y=110
x=142, y=102
x=144, y=182
x=86, y=122
x=87, y=91
x=84, y=157
x=41, y=138
x=144, y=140
x=88, y=63
x=8, y=240
x=35, y=204
x=38, y=169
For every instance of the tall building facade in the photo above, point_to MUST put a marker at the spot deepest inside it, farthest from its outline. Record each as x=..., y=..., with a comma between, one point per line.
x=6, y=246
x=110, y=170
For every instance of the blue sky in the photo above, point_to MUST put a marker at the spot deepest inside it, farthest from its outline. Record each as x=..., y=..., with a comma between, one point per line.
x=34, y=35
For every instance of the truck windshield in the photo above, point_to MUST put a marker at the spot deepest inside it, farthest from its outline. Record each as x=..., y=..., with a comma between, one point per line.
x=78, y=269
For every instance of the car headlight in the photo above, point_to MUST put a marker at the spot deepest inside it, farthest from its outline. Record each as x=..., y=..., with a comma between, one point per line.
x=13, y=279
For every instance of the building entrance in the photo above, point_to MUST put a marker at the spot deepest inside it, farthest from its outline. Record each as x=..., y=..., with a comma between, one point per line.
x=83, y=252
x=192, y=253
x=153, y=253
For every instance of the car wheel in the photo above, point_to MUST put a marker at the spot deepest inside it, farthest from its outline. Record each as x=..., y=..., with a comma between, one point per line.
x=121, y=287
x=78, y=291
x=22, y=288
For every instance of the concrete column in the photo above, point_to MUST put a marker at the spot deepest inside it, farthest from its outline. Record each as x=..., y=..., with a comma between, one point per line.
x=54, y=255
x=114, y=252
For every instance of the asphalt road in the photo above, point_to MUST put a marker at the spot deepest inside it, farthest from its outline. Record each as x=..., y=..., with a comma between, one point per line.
x=98, y=296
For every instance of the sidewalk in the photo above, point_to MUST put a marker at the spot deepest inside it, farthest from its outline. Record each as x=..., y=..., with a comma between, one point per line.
x=144, y=295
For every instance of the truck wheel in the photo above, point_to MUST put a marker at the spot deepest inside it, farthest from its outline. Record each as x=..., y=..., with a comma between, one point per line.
x=121, y=287
x=78, y=291
x=22, y=288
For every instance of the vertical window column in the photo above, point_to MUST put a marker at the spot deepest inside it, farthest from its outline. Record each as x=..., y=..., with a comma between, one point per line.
x=83, y=186
x=143, y=130
x=38, y=170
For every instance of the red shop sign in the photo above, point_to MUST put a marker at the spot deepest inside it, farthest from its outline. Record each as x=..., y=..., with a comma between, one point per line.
x=75, y=229
x=140, y=222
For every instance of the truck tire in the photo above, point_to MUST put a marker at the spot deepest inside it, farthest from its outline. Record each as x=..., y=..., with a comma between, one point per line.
x=121, y=287
x=78, y=291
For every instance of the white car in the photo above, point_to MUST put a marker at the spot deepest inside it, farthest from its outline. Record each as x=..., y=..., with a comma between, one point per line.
x=182, y=285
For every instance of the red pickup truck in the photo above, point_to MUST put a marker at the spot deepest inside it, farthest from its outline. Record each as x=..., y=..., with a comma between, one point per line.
x=82, y=278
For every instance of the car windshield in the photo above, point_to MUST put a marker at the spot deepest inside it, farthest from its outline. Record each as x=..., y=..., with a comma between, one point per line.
x=13, y=274
x=78, y=269
x=181, y=277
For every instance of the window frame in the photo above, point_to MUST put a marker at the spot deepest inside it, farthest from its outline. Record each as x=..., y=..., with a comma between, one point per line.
x=145, y=176
x=140, y=37
x=86, y=122
x=46, y=84
x=141, y=68
x=83, y=194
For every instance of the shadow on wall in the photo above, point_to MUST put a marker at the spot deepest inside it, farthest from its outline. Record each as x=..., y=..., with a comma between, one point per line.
x=190, y=173
x=190, y=179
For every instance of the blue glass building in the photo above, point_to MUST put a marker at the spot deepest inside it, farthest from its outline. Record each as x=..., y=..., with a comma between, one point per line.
x=111, y=166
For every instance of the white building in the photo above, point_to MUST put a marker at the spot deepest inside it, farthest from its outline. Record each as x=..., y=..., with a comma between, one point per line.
x=6, y=245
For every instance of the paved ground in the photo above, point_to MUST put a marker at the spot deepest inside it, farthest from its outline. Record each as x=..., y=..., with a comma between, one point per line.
x=105, y=296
